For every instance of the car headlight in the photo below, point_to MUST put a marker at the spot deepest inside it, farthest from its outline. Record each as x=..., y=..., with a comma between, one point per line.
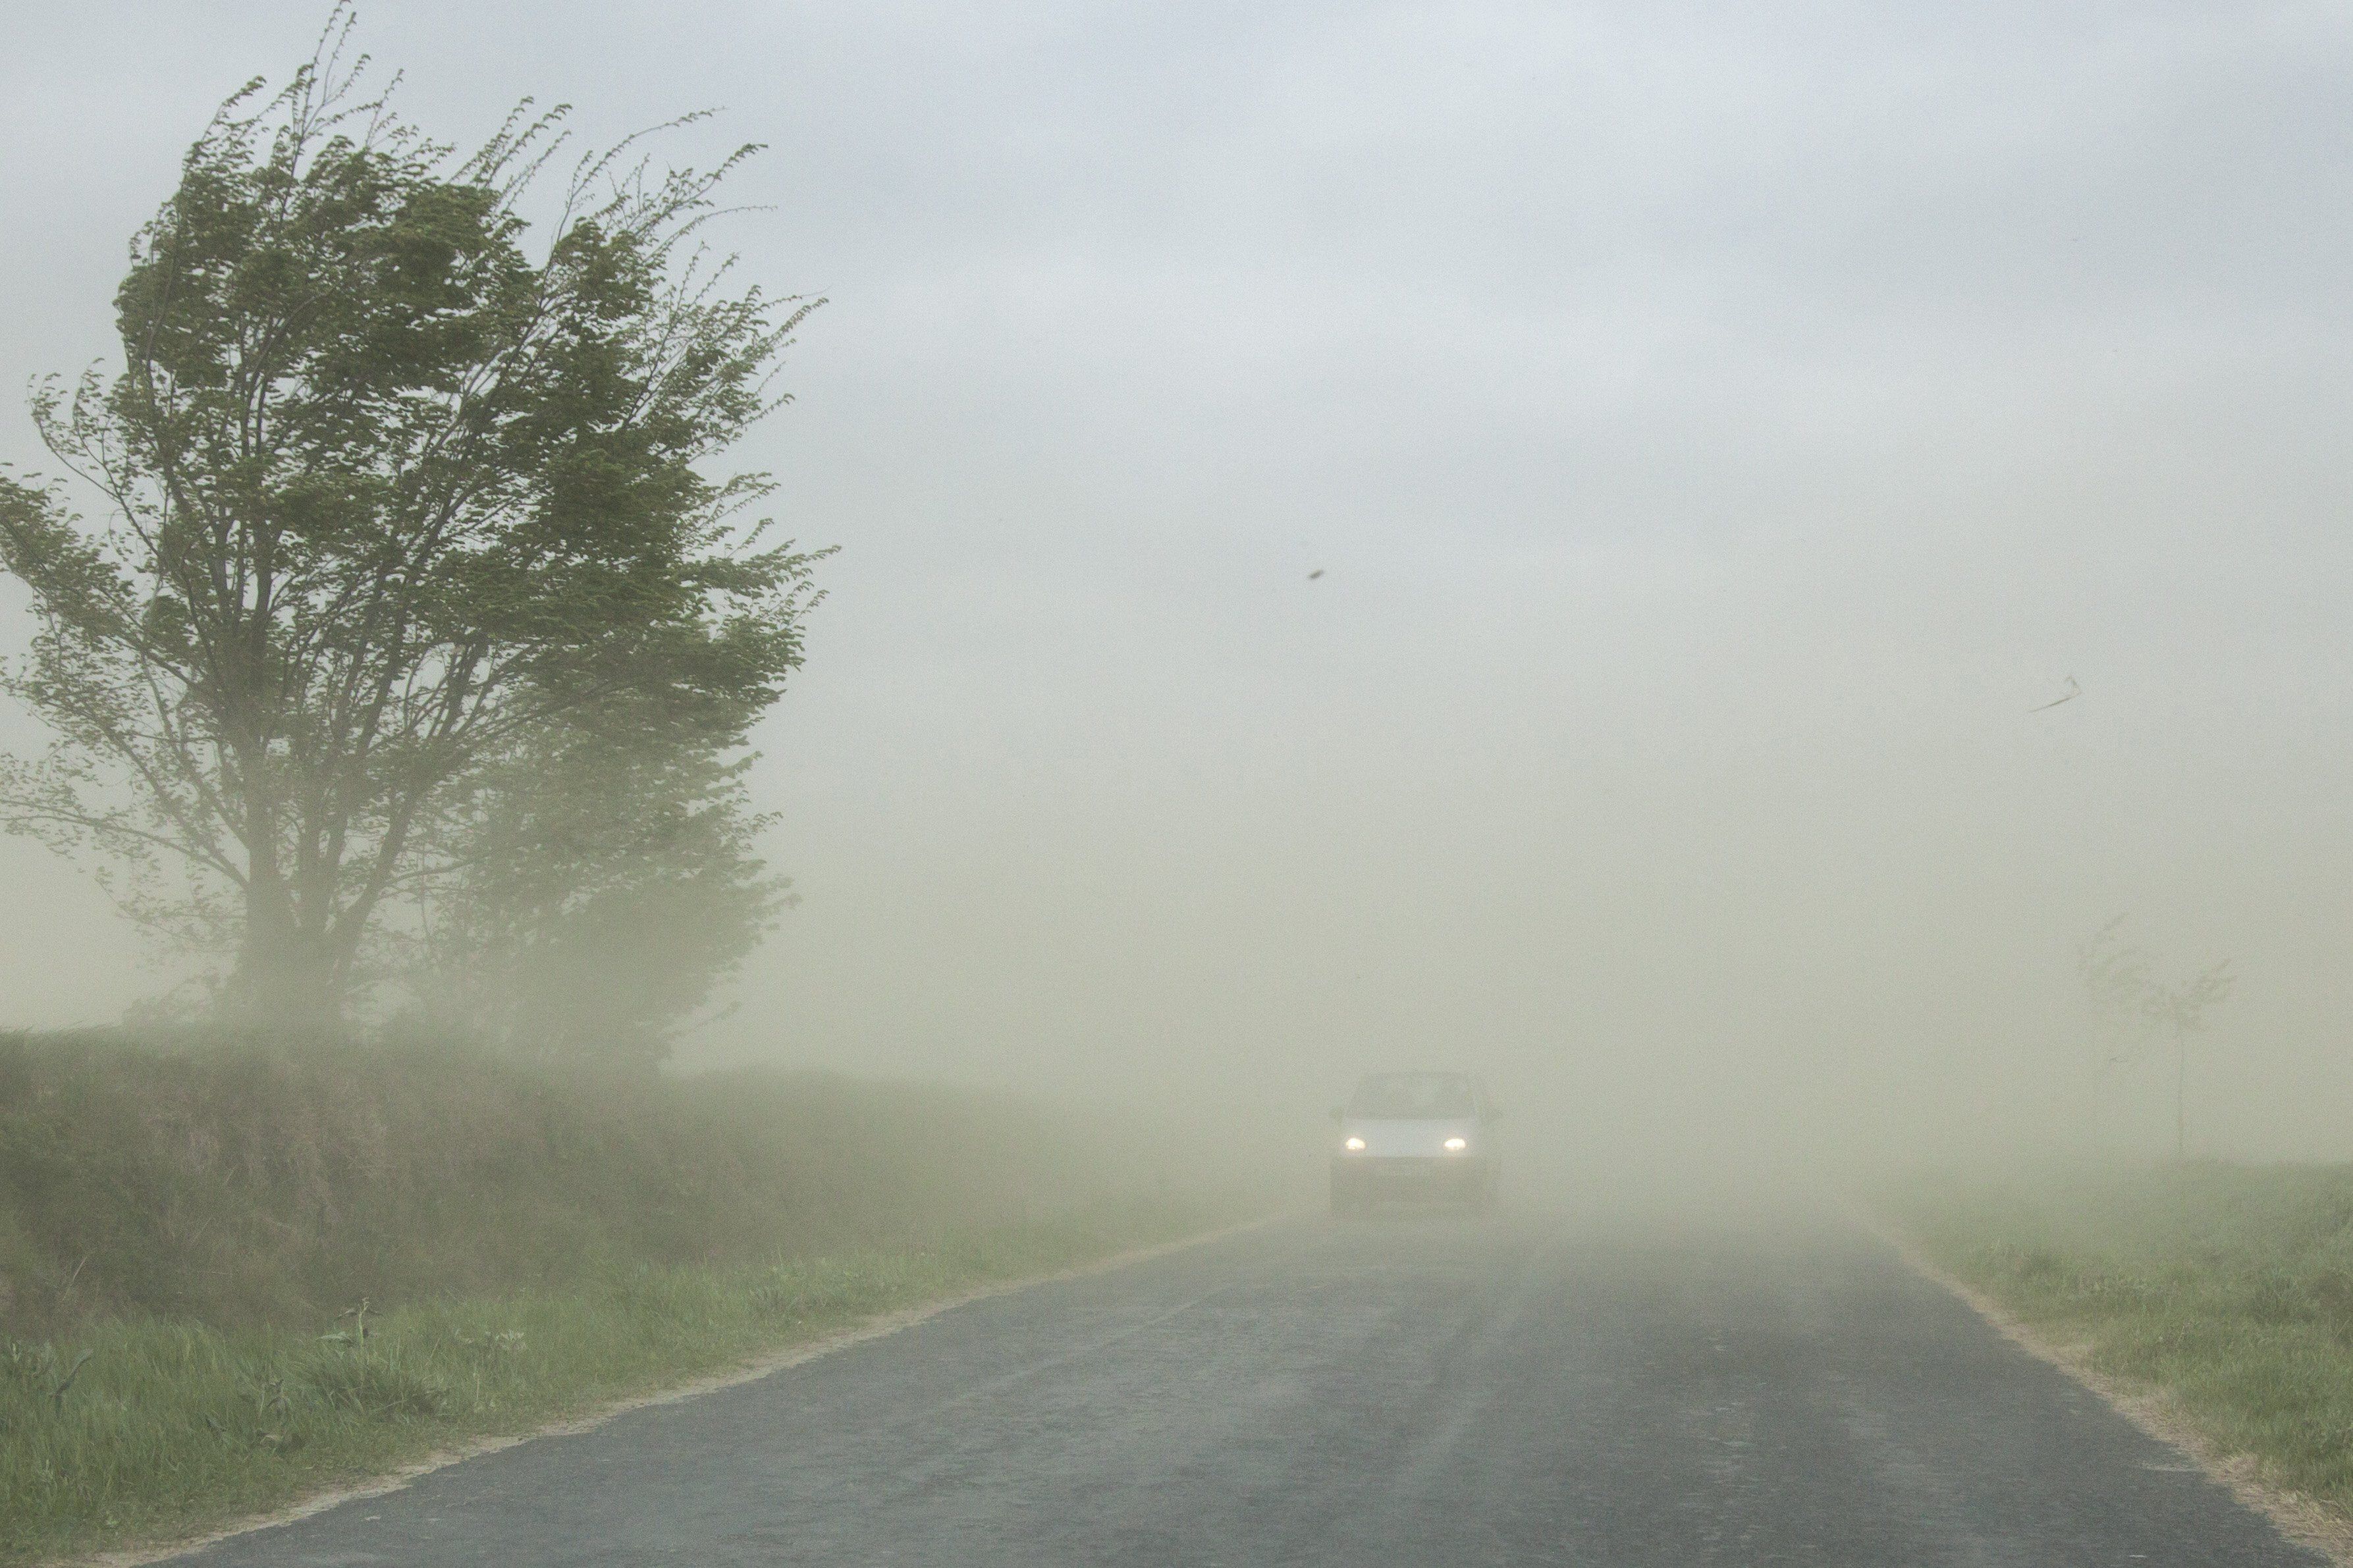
x=1354, y=1145
x=1456, y=1145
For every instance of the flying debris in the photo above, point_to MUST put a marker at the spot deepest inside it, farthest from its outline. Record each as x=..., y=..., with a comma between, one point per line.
x=2072, y=693
x=1318, y=573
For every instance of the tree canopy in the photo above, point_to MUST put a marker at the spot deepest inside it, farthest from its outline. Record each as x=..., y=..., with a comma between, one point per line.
x=394, y=504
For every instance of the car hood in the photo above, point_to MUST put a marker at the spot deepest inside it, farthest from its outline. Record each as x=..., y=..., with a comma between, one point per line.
x=1394, y=1138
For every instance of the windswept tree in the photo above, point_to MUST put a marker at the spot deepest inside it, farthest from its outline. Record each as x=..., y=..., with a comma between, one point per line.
x=2116, y=985
x=2182, y=1010
x=394, y=498
x=2134, y=1008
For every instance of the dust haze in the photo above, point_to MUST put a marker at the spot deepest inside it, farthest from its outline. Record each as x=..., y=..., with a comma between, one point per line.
x=1542, y=540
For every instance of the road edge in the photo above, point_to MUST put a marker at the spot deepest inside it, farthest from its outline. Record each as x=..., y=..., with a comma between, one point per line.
x=795, y=1354
x=2302, y=1519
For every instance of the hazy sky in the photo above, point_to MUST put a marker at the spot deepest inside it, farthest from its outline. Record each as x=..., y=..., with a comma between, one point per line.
x=1718, y=426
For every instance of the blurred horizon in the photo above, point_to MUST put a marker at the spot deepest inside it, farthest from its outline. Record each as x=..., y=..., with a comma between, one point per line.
x=1720, y=435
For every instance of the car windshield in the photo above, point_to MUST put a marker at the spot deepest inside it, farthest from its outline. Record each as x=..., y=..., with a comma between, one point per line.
x=1404, y=1095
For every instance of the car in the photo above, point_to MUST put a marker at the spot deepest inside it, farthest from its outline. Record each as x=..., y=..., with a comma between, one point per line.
x=1415, y=1135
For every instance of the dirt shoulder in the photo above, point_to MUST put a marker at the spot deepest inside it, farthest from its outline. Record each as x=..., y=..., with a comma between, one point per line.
x=2198, y=1304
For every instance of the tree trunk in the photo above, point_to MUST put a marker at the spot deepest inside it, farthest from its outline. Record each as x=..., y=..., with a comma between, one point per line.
x=2180, y=1096
x=286, y=976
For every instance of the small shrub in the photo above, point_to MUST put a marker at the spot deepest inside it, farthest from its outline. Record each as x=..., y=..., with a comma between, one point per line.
x=371, y=1383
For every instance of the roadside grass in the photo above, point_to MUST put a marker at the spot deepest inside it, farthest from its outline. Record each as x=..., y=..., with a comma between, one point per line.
x=239, y=1184
x=234, y=1272
x=2227, y=1289
x=141, y=1431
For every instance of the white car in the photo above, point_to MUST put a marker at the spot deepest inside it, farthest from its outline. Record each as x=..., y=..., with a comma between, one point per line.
x=1425, y=1135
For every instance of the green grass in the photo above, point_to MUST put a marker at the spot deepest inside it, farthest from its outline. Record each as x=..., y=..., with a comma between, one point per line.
x=235, y=1185
x=189, y=1229
x=168, y=1428
x=2227, y=1288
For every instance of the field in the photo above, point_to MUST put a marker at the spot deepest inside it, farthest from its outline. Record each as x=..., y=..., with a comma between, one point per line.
x=231, y=1277
x=2226, y=1291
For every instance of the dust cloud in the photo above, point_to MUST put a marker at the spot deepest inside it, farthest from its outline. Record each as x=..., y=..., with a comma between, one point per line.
x=1718, y=436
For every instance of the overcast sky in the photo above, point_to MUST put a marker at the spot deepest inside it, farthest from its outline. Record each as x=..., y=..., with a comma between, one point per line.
x=1718, y=426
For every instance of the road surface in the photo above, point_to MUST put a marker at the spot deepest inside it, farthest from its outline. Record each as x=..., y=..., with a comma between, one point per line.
x=1412, y=1391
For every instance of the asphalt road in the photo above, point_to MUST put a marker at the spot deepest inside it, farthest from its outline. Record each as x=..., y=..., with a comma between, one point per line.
x=1415, y=1391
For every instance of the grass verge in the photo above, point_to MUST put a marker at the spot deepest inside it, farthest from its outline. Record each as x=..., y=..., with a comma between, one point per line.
x=238, y=1272
x=2225, y=1291
x=144, y=1431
